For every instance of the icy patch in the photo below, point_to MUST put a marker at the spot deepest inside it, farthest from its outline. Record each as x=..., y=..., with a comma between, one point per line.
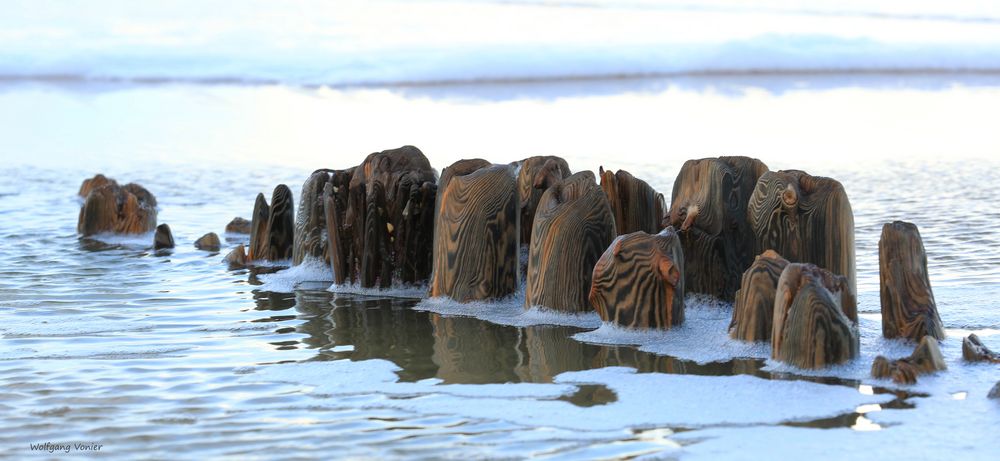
x=25, y=327
x=400, y=291
x=285, y=281
x=130, y=241
x=703, y=337
x=643, y=399
x=509, y=311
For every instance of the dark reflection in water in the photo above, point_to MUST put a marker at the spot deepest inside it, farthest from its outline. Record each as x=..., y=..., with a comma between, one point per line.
x=462, y=350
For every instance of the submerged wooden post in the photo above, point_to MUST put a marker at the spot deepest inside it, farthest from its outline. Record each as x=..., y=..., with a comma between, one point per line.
x=908, y=307
x=709, y=210
x=753, y=312
x=476, y=234
x=815, y=318
x=639, y=281
x=806, y=219
x=572, y=228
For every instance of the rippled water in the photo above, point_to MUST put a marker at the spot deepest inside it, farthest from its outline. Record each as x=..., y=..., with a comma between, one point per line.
x=171, y=354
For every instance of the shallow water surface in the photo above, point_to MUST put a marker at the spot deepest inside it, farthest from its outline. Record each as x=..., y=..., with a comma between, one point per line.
x=157, y=354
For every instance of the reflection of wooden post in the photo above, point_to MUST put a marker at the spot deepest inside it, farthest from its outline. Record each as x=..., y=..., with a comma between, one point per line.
x=709, y=210
x=753, y=312
x=926, y=358
x=908, y=308
x=476, y=236
x=471, y=351
x=573, y=227
x=639, y=281
x=806, y=219
x=815, y=318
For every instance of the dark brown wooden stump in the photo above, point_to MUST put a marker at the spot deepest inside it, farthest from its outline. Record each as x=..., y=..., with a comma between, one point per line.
x=259, y=240
x=815, y=318
x=926, y=358
x=973, y=350
x=281, y=224
x=572, y=228
x=806, y=219
x=476, y=234
x=208, y=242
x=163, y=239
x=753, y=312
x=635, y=205
x=639, y=281
x=709, y=210
x=908, y=307
x=108, y=207
x=534, y=176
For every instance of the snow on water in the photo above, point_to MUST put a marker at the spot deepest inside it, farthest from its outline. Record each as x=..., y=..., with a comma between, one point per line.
x=395, y=42
x=641, y=399
x=509, y=311
x=285, y=280
x=703, y=337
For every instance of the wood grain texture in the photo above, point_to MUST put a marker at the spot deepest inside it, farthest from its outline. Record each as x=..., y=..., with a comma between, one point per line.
x=908, y=307
x=753, y=311
x=639, y=281
x=108, y=207
x=973, y=350
x=573, y=226
x=259, y=240
x=926, y=358
x=635, y=205
x=476, y=237
x=534, y=176
x=405, y=183
x=281, y=224
x=815, y=318
x=806, y=219
x=97, y=182
x=709, y=210
x=310, y=238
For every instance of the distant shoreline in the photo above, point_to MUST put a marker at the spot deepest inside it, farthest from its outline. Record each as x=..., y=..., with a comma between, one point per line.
x=888, y=72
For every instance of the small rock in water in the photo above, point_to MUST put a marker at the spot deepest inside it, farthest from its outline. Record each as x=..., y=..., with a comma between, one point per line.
x=163, y=238
x=237, y=259
x=208, y=242
x=995, y=392
x=238, y=226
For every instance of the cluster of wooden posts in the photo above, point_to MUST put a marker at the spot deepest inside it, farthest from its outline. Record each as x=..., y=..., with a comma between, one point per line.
x=778, y=244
